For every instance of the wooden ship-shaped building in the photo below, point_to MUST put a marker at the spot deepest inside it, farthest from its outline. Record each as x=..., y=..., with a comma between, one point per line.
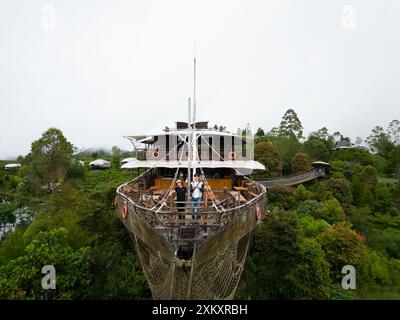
x=194, y=248
x=188, y=251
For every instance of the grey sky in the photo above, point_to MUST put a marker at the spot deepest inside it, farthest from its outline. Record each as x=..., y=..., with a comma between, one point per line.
x=104, y=69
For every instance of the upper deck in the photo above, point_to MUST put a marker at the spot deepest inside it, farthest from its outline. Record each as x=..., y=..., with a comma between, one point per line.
x=198, y=146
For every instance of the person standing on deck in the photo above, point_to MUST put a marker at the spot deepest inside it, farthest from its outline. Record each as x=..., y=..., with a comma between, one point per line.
x=180, y=198
x=196, y=189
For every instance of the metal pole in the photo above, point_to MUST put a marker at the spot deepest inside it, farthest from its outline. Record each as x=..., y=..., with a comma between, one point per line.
x=188, y=158
x=194, y=116
x=194, y=91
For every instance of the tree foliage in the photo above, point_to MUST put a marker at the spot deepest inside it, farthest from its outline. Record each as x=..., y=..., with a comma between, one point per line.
x=48, y=161
x=343, y=246
x=291, y=125
x=341, y=190
x=301, y=163
x=268, y=155
x=21, y=278
x=316, y=149
x=276, y=251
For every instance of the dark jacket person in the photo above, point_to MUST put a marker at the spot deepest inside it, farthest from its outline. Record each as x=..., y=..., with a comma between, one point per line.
x=180, y=197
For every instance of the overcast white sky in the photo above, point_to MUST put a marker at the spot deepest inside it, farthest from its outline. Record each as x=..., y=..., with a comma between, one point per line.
x=99, y=70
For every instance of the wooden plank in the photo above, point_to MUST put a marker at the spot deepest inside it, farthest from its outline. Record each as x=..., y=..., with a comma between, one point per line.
x=220, y=183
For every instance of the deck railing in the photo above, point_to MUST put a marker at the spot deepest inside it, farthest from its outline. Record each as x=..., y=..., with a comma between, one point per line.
x=211, y=211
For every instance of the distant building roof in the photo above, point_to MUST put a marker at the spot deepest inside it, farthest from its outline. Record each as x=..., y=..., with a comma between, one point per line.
x=12, y=165
x=100, y=163
x=320, y=163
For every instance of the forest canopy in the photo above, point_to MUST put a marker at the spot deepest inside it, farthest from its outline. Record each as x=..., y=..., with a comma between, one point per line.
x=54, y=210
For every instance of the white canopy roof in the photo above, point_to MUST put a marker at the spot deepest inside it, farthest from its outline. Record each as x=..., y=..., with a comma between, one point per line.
x=12, y=165
x=236, y=164
x=127, y=160
x=99, y=162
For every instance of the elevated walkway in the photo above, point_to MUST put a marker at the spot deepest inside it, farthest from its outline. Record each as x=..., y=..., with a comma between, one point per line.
x=293, y=180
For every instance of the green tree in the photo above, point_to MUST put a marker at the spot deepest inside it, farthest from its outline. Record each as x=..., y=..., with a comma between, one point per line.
x=274, y=132
x=309, y=278
x=291, y=125
x=117, y=274
x=379, y=140
x=48, y=161
x=331, y=211
x=386, y=144
x=116, y=162
x=340, y=169
x=341, y=190
x=316, y=149
x=267, y=154
x=116, y=152
x=21, y=278
x=309, y=207
x=393, y=131
x=287, y=146
x=260, y=132
x=312, y=227
x=364, y=183
x=301, y=163
x=276, y=253
x=343, y=246
x=281, y=196
x=12, y=246
x=383, y=198
x=321, y=134
x=302, y=194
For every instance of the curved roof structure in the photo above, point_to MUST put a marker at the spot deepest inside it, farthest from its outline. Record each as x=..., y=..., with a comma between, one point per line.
x=236, y=164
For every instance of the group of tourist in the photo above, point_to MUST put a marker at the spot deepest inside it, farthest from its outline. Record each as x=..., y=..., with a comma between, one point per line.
x=196, y=194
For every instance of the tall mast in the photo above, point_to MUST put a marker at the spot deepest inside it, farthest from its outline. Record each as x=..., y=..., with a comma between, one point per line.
x=194, y=85
x=189, y=147
x=194, y=144
x=194, y=92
